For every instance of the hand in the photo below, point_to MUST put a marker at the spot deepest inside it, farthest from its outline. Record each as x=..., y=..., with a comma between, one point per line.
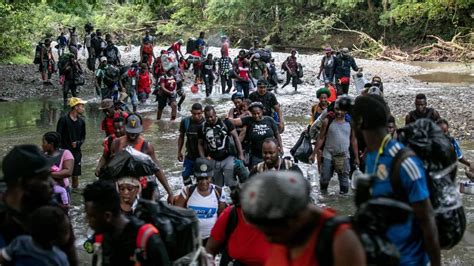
x=311, y=158
x=170, y=198
x=356, y=162
x=74, y=145
x=97, y=172
x=242, y=157
x=281, y=127
x=180, y=156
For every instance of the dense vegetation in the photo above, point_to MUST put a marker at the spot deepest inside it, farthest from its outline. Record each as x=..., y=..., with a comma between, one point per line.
x=303, y=23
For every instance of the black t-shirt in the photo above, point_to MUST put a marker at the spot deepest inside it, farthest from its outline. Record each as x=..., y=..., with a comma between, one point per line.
x=217, y=139
x=258, y=131
x=119, y=251
x=191, y=129
x=268, y=100
x=71, y=131
x=208, y=67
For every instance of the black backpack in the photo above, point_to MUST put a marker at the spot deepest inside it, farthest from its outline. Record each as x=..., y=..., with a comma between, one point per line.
x=427, y=141
x=370, y=224
x=112, y=54
x=191, y=46
x=299, y=71
x=222, y=139
x=178, y=227
x=37, y=59
x=112, y=75
x=63, y=61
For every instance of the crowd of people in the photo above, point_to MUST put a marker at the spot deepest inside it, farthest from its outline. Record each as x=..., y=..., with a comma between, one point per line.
x=253, y=205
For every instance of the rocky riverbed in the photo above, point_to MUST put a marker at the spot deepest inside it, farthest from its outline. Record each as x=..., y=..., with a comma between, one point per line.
x=453, y=101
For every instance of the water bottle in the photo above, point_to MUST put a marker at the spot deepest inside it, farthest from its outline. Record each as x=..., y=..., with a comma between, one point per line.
x=355, y=175
x=311, y=174
x=226, y=195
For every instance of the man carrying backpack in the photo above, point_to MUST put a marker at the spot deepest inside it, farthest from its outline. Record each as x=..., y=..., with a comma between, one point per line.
x=342, y=70
x=107, y=79
x=189, y=127
x=334, y=141
x=272, y=161
x=112, y=53
x=291, y=67
x=327, y=66
x=278, y=203
x=72, y=72
x=98, y=45
x=62, y=43
x=218, y=140
x=120, y=240
x=146, y=53
x=416, y=240
x=421, y=111
x=119, y=131
x=73, y=41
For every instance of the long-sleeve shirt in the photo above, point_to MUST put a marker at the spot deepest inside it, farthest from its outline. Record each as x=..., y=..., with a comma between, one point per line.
x=343, y=65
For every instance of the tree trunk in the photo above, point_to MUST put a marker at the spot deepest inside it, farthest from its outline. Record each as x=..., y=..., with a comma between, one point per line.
x=370, y=6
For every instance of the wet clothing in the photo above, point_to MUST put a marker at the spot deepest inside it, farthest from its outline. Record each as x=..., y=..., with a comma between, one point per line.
x=407, y=237
x=278, y=254
x=430, y=113
x=338, y=138
x=72, y=131
x=164, y=98
x=23, y=251
x=191, y=129
x=120, y=250
x=258, y=131
x=268, y=100
x=246, y=244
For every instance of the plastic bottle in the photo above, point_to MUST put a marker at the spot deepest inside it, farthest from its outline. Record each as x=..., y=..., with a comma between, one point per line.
x=355, y=175
x=311, y=174
x=226, y=195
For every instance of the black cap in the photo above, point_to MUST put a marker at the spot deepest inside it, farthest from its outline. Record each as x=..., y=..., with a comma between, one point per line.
x=24, y=161
x=262, y=82
x=202, y=168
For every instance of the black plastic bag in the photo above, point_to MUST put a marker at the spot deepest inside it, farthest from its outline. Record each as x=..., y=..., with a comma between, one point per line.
x=302, y=149
x=432, y=146
x=129, y=163
x=178, y=227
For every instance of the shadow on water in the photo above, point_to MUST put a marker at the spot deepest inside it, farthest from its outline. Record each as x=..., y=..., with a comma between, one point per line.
x=26, y=122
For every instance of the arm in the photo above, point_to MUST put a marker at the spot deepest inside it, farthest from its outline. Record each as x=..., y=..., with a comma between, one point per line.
x=321, y=67
x=238, y=145
x=242, y=134
x=162, y=87
x=236, y=122
x=347, y=249
x=354, y=65
x=320, y=141
x=180, y=146
x=181, y=200
x=201, y=148
x=407, y=119
x=355, y=147
x=160, y=174
x=281, y=125
x=213, y=246
x=221, y=207
x=66, y=171
x=423, y=212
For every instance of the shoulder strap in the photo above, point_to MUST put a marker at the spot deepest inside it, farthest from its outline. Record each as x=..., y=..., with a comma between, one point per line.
x=324, y=249
x=429, y=112
x=231, y=223
x=59, y=157
x=189, y=192
x=395, y=181
x=144, y=145
x=187, y=122
x=217, y=191
x=144, y=233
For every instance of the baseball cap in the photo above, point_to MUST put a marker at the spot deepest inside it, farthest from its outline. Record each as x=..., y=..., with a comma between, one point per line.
x=256, y=56
x=274, y=195
x=103, y=59
x=328, y=49
x=202, y=168
x=134, y=124
x=262, y=82
x=106, y=104
x=345, y=50
x=75, y=101
x=24, y=161
x=237, y=95
x=256, y=104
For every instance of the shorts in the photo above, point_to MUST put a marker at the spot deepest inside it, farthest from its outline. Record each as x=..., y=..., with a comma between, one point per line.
x=77, y=163
x=164, y=100
x=188, y=167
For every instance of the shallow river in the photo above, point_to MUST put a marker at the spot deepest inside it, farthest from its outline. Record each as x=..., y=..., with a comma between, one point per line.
x=26, y=122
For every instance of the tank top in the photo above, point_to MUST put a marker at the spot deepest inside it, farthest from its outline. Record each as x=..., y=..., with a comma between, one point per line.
x=337, y=139
x=206, y=210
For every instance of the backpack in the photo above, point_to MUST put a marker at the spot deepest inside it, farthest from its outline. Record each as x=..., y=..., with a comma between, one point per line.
x=191, y=46
x=178, y=227
x=303, y=148
x=299, y=70
x=145, y=231
x=216, y=189
x=370, y=223
x=112, y=75
x=90, y=62
x=63, y=61
x=427, y=141
x=220, y=140
x=37, y=59
x=111, y=54
x=265, y=55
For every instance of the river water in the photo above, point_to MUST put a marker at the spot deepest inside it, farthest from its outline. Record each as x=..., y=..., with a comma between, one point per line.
x=26, y=122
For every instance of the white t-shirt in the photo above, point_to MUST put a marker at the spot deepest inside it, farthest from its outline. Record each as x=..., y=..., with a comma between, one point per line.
x=205, y=207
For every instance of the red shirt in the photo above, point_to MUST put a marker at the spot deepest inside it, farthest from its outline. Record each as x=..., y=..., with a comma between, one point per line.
x=144, y=82
x=243, y=70
x=108, y=143
x=176, y=47
x=225, y=49
x=246, y=244
x=108, y=122
x=170, y=83
x=279, y=254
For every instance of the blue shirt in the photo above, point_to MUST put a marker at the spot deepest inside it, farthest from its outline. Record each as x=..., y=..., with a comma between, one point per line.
x=408, y=237
x=457, y=149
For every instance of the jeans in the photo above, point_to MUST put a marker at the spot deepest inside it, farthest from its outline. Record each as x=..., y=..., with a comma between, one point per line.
x=188, y=171
x=243, y=86
x=224, y=172
x=226, y=80
x=328, y=171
